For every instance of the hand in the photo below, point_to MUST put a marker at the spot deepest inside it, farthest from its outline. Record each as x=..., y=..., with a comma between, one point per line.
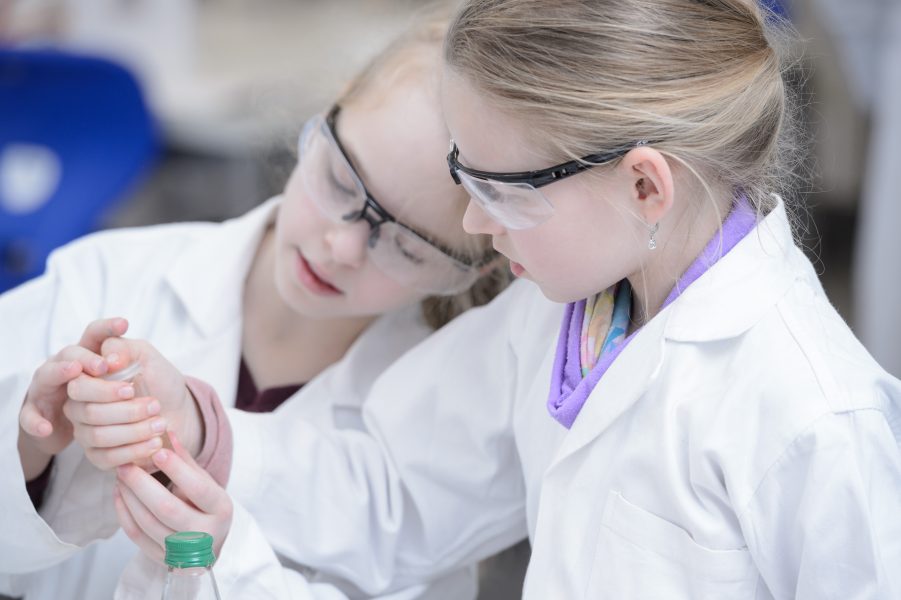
x=117, y=428
x=148, y=512
x=44, y=431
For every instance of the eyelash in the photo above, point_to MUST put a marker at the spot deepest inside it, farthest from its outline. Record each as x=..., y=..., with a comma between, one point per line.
x=418, y=260
x=339, y=185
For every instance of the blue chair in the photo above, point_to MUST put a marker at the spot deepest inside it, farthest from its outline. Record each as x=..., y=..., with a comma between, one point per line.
x=75, y=133
x=780, y=8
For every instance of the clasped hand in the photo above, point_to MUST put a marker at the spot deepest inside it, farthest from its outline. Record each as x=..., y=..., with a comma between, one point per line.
x=116, y=422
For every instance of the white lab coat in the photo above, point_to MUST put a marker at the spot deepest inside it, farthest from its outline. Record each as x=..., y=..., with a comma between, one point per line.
x=744, y=445
x=180, y=286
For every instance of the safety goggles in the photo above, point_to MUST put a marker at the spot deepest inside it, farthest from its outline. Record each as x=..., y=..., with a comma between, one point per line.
x=513, y=199
x=408, y=256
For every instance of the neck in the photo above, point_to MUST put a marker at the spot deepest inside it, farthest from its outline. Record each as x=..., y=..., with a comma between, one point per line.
x=280, y=345
x=682, y=241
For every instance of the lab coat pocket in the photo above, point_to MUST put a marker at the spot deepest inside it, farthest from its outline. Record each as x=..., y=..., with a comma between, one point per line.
x=641, y=556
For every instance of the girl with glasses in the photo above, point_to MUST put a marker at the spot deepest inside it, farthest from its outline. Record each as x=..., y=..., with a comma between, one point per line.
x=726, y=434
x=297, y=306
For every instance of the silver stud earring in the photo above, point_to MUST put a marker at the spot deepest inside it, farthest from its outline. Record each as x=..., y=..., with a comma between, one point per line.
x=652, y=241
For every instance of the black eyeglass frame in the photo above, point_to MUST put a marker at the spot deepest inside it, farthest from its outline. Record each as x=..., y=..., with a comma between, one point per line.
x=540, y=177
x=376, y=215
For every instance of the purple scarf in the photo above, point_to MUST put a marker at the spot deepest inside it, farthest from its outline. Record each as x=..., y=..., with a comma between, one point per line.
x=569, y=390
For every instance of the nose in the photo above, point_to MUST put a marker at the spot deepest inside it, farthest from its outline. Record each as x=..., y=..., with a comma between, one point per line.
x=476, y=220
x=348, y=243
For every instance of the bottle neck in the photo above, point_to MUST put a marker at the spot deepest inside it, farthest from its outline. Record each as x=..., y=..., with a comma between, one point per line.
x=192, y=583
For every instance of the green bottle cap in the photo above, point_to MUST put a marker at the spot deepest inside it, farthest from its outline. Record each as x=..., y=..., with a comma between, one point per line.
x=187, y=549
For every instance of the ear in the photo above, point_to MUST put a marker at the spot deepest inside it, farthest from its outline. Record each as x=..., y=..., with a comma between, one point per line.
x=651, y=183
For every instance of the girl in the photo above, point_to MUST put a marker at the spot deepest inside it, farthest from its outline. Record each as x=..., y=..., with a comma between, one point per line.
x=321, y=288
x=728, y=435
x=706, y=426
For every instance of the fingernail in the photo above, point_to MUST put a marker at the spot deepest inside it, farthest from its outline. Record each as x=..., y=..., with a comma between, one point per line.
x=161, y=456
x=155, y=443
x=100, y=366
x=112, y=358
x=127, y=391
x=153, y=408
x=158, y=426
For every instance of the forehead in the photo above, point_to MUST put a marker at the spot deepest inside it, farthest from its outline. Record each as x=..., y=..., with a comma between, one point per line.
x=489, y=139
x=398, y=146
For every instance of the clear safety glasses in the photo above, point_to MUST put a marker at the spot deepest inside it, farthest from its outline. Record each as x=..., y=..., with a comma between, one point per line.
x=513, y=199
x=406, y=255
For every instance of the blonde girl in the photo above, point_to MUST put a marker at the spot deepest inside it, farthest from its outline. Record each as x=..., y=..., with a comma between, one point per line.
x=728, y=437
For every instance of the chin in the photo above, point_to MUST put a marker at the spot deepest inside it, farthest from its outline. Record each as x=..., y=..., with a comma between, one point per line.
x=561, y=296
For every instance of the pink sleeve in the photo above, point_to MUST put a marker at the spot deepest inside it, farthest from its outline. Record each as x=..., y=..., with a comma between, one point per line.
x=216, y=452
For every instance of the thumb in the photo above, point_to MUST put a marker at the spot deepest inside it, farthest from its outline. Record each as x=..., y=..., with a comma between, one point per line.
x=119, y=353
x=33, y=423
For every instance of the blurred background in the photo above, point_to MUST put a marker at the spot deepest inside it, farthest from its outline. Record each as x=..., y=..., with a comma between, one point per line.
x=211, y=95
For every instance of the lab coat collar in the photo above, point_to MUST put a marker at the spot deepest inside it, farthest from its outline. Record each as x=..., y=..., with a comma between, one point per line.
x=735, y=293
x=209, y=277
x=625, y=381
x=724, y=302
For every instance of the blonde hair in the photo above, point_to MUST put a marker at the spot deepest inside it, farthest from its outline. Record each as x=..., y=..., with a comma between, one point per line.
x=416, y=56
x=700, y=80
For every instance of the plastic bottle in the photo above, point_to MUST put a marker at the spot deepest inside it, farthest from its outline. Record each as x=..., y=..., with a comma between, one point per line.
x=189, y=556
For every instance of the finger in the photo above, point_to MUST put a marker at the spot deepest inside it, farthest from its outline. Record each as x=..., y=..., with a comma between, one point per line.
x=113, y=436
x=110, y=458
x=33, y=423
x=112, y=413
x=85, y=388
x=134, y=533
x=170, y=510
x=181, y=450
x=52, y=375
x=92, y=363
x=144, y=519
x=195, y=483
x=97, y=331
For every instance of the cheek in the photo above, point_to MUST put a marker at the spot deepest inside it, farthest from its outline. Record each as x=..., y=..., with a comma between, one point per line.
x=298, y=219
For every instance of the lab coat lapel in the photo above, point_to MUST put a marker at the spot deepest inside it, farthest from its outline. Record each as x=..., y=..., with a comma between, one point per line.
x=622, y=385
x=209, y=279
x=723, y=303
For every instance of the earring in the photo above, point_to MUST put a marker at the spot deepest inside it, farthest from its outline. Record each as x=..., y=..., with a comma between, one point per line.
x=652, y=241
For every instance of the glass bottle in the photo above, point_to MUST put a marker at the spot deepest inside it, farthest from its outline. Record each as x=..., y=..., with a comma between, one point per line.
x=189, y=556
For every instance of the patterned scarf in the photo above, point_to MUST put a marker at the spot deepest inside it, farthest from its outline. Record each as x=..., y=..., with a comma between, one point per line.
x=604, y=324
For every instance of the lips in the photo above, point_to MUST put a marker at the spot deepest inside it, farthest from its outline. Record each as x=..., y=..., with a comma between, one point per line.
x=515, y=268
x=312, y=280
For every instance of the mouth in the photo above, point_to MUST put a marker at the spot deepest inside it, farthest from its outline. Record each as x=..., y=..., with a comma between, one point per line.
x=312, y=280
x=515, y=268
